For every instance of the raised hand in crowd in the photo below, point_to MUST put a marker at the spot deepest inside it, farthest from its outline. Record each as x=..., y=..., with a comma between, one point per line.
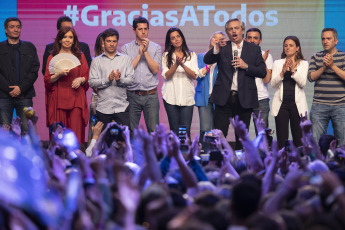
x=252, y=156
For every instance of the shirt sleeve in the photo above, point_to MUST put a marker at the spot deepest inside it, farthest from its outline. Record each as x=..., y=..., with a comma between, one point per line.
x=312, y=67
x=88, y=151
x=127, y=78
x=269, y=62
x=164, y=64
x=158, y=56
x=276, y=79
x=95, y=77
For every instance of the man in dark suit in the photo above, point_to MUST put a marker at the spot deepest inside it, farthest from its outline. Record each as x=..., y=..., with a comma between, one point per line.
x=234, y=92
x=64, y=21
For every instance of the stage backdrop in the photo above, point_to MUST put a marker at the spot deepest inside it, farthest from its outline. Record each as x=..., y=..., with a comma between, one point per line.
x=197, y=19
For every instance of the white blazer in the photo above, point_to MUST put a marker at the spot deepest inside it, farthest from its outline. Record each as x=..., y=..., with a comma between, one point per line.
x=300, y=77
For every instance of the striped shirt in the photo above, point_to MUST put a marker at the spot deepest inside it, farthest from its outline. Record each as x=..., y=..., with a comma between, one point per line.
x=329, y=88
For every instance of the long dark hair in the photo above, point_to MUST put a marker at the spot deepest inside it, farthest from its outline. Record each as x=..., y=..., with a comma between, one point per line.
x=98, y=45
x=170, y=48
x=299, y=55
x=57, y=44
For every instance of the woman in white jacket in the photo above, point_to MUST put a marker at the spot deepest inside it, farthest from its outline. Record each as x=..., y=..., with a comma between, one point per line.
x=289, y=76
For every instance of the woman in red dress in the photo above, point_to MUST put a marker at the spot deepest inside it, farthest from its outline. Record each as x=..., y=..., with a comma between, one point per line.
x=66, y=90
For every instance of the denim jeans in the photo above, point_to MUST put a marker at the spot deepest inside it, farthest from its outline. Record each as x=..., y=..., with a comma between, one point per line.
x=264, y=107
x=320, y=115
x=7, y=106
x=149, y=105
x=206, y=120
x=179, y=115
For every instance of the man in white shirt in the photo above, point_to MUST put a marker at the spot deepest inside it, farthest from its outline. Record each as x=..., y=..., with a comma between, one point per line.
x=253, y=35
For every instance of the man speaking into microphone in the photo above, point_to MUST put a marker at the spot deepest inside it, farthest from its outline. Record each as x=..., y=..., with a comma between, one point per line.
x=234, y=92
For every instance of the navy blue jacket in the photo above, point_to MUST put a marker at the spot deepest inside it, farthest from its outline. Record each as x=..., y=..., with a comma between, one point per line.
x=247, y=92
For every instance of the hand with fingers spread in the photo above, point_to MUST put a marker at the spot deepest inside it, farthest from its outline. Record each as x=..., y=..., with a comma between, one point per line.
x=97, y=130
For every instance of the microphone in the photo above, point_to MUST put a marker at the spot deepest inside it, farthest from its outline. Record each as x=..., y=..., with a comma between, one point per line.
x=235, y=55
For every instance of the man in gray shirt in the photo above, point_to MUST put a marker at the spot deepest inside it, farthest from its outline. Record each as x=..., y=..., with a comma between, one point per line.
x=146, y=58
x=110, y=74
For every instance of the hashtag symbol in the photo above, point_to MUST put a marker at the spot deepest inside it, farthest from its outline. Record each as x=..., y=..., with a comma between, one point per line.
x=72, y=13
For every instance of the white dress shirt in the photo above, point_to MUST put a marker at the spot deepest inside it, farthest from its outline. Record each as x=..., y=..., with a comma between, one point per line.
x=234, y=85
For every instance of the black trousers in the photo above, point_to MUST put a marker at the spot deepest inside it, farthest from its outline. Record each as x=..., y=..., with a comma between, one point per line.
x=288, y=112
x=230, y=110
x=119, y=118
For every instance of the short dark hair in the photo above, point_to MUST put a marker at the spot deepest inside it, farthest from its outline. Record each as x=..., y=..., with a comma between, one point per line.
x=335, y=33
x=140, y=20
x=61, y=20
x=246, y=195
x=11, y=19
x=254, y=30
x=109, y=33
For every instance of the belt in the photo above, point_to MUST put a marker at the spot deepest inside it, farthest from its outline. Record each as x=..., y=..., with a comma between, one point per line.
x=233, y=92
x=145, y=92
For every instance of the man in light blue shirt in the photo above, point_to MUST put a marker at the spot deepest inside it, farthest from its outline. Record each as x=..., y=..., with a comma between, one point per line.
x=146, y=59
x=110, y=74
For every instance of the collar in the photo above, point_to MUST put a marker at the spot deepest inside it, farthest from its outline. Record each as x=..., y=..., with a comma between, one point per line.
x=234, y=45
x=104, y=55
x=336, y=51
x=13, y=45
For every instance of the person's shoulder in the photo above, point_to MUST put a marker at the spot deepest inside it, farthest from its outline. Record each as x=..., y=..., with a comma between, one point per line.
x=83, y=44
x=3, y=43
x=201, y=55
x=279, y=61
x=340, y=53
x=128, y=45
x=97, y=58
x=154, y=44
x=49, y=46
x=192, y=53
x=319, y=54
x=251, y=45
x=27, y=43
x=123, y=56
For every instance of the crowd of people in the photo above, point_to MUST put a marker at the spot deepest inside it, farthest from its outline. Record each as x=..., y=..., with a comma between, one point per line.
x=128, y=178
x=151, y=182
